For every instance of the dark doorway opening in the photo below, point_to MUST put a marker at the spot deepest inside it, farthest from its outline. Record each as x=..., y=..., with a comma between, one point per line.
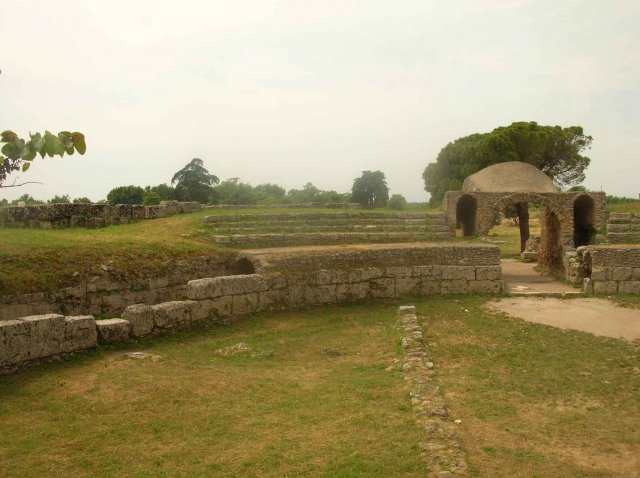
x=466, y=215
x=583, y=230
x=243, y=266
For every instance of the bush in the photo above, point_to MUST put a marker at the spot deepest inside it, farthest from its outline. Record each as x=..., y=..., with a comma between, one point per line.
x=397, y=202
x=126, y=195
x=60, y=199
x=151, y=198
x=82, y=200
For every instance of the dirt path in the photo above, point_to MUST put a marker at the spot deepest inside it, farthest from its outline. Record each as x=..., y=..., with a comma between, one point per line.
x=522, y=278
x=596, y=316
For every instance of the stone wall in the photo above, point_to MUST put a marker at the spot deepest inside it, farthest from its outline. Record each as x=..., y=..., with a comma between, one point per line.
x=221, y=299
x=611, y=269
x=109, y=294
x=49, y=216
x=304, y=205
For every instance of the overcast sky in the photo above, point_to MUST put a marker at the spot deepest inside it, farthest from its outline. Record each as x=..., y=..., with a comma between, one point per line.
x=297, y=91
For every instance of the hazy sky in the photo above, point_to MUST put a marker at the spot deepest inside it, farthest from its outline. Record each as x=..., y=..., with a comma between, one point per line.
x=297, y=91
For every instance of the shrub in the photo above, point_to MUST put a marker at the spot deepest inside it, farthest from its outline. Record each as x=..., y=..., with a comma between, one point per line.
x=397, y=202
x=126, y=195
x=151, y=199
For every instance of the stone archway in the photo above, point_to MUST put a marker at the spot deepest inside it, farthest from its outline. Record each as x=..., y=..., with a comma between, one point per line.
x=583, y=221
x=466, y=209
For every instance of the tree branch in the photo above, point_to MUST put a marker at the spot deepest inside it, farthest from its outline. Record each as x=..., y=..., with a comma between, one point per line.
x=14, y=185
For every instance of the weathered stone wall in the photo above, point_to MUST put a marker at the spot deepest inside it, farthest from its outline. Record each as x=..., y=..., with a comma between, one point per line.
x=109, y=294
x=462, y=269
x=49, y=216
x=612, y=269
x=304, y=205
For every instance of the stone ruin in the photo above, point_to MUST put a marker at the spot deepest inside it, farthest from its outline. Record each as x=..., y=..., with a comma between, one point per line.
x=568, y=220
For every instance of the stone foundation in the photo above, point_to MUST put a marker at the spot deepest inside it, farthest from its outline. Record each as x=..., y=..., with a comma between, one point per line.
x=612, y=269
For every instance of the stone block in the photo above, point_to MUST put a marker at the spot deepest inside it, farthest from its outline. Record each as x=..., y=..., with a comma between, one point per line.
x=629, y=287
x=455, y=286
x=112, y=331
x=458, y=272
x=636, y=273
x=407, y=286
x=382, y=288
x=244, y=304
x=172, y=315
x=398, y=272
x=364, y=274
x=270, y=299
x=14, y=342
x=484, y=286
x=429, y=287
x=293, y=296
x=489, y=273
x=158, y=282
x=276, y=281
x=587, y=286
x=322, y=294
x=352, y=292
x=140, y=317
x=221, y=306
x=407, y=310
x=600, y=274
x=208, y=288
x=622, y=273
x=427, y=271
x=46, y=334
x=79, y=333
x=243, y=284
x=605, y=287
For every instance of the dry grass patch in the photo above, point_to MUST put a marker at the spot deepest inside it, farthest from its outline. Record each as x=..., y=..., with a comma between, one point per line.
x=535, y=401
x=285, y=408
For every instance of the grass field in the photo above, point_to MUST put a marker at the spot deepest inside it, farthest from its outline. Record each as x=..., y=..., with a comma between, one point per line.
x=534, y=401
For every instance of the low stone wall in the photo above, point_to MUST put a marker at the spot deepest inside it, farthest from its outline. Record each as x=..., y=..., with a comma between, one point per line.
x=49, y=216
x=221, y=299
x=109, y=294
x=304, y=205
x=612, y=269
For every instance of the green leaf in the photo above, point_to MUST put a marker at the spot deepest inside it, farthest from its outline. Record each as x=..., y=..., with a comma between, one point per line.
x=52, y=145
x=28, y=154
x=78, y=142
x=8, y=136
x=25, y=166
x=14, y=150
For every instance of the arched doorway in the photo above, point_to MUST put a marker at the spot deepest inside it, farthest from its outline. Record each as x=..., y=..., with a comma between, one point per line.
x=583, y=219
x=466, y=214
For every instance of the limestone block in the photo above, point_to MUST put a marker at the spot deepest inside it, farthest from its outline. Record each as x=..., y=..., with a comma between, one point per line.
x=605, y=287
x=636, y=273
x=398, y=272
x=382, y=288
x=140, y=317
x=352, y=292
x=458, y=272
x=221, y=306
x=489, y=273
x=158, y=282
x=172, y=315
x=322, y=294
x=629, y=287
x=407, y=286
x=270, y=299
x=276, y=281
x=427, y=271
x=622, y=273
x=208, y=288
x=293, y=296
x=455, y=286
x=46, y=334
x=14, y=342
x=242, y=284
x=429, y=287
x=407, y=310
x=485, y=286
x=364, y=274
x=599, y=274
x=112, y=331
x=79, y=333
x=587, y=286
x=244, y=304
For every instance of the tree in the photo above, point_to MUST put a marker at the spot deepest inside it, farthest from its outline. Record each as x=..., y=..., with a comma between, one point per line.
x=232, y=191
x=397, y=202
x=269, y=193
x=165, y=192
x=17, y=154
x=151, y=198
x=82, y=200
x=556, y=151
x=126, y=195
x=60, y=199
x=194, y=183
x=370, y=189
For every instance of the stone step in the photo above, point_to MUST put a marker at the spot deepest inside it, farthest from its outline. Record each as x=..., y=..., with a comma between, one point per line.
x=623, y=218
x=266, y=229
x=320, y=222
x=252, y=240
x=316, y=216
x=623, y=227
x=623, y=237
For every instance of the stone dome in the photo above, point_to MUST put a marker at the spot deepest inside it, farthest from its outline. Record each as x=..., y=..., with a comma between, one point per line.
x=509, y=177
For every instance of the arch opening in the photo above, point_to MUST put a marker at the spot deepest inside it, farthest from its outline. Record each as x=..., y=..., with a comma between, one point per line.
x=242, y=267
x=466, y=214
x=583, y=220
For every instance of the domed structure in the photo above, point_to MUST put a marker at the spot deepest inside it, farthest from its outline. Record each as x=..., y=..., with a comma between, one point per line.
x=509, y=177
